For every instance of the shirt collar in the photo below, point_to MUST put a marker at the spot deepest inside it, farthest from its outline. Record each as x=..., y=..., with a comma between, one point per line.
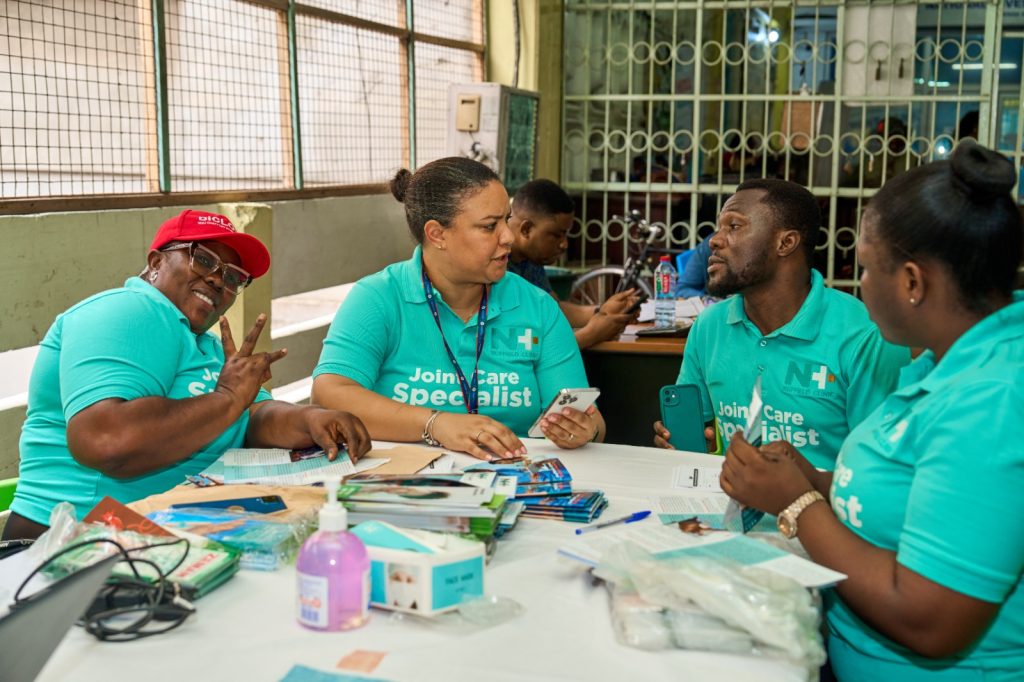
x=806, y=324
x=141, y=286
x=503, y=296
x=972, y=348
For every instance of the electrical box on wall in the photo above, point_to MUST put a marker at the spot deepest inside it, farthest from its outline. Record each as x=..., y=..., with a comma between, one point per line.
x=496, y=125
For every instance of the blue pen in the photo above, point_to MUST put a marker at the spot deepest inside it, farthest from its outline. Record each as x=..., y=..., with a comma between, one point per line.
x=635, y=516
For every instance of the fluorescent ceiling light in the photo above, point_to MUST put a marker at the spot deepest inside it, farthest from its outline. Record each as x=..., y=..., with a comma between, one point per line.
x=979, y=67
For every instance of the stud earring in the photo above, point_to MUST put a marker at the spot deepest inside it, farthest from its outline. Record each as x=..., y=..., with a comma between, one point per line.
x=913, y=301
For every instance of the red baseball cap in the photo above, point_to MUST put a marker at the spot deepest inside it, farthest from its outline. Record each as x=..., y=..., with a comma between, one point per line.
x=199, y=226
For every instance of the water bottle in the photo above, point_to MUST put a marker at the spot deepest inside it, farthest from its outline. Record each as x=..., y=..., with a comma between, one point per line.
x=333, y=571
x=664, y=293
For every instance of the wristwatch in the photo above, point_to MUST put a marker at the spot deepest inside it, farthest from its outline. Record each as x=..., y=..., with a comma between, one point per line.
x=427, y=436
x=788, y=516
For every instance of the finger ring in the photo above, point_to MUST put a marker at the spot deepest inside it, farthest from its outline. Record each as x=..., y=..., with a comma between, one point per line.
x=477, y=439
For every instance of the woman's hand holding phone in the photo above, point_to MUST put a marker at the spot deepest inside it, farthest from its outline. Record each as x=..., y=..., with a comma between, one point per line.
x=570, y=428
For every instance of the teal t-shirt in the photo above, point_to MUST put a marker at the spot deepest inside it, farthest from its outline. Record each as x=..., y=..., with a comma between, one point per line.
x=385, y=338
x=821, y=373
x=935, y=474
x=123, y=343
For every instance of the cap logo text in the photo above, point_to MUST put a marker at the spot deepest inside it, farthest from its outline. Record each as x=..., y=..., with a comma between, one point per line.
x=216, y=220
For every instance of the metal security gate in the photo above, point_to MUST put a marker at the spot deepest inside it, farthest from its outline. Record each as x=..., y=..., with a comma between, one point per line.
x=668, y=106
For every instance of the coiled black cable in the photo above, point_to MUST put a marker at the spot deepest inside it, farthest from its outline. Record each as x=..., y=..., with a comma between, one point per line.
x=126, y=607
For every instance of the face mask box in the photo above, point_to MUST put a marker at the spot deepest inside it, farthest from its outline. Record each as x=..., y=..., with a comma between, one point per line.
x=418, y=571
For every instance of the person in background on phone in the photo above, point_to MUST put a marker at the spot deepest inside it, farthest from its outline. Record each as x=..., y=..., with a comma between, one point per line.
x=130, y=393
x=445, y=348
x=541, y=218
x=693, y=280
x=822, y=362
x=923, y=510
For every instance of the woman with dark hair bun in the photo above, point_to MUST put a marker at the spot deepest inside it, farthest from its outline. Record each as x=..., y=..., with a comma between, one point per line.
x=446, y=348
x=925, y=502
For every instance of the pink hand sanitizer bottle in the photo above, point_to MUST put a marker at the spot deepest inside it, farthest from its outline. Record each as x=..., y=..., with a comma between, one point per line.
x=333, y=571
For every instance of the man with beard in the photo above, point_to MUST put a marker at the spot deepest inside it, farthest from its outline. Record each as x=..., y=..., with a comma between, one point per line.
x=541, y=217
x=823, y=364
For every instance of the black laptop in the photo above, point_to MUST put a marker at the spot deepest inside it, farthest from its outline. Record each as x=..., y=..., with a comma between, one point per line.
x=30, y=633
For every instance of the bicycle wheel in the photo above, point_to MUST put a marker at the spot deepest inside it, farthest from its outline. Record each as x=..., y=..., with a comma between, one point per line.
x=593, y=287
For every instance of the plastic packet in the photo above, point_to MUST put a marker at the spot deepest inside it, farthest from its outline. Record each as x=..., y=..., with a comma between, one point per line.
x=266, y=544
x=196, y=566
x=638, y=623
x=63, y=527
x=489, y=610
x=61, y=530
x=710, y=604
x=738, y=518
x=474, y=614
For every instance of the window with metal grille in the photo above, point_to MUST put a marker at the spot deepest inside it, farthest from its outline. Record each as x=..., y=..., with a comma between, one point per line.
x=669, y=106
x=252, y=97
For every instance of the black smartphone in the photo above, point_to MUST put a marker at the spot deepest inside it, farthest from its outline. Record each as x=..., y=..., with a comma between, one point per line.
x=636, y=306
x=258, y=505
x=675, y=331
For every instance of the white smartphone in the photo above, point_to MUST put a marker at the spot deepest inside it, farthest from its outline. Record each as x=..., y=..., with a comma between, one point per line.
x=576, y=398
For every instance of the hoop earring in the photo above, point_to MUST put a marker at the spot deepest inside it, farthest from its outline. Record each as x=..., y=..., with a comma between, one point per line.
x=152, y=276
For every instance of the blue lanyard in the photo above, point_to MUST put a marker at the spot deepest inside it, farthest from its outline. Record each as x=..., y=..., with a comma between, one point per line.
x=469, y=390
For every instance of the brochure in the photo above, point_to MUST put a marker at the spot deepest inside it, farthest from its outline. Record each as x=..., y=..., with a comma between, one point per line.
x=709, y=508
x=455, y=497
x=279, y=466
x=668, y=541
x=538, y=477
x=580, y=507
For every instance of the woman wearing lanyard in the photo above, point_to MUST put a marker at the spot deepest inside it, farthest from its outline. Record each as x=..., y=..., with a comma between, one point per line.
x=446, y=348
x=923, y=511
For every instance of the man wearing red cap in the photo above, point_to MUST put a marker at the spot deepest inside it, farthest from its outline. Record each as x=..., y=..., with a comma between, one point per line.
x=130, y=393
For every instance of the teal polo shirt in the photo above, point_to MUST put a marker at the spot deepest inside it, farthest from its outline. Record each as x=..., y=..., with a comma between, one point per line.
x=385, y=338
x=935, y=475
x=821, y=373
x=123, y=343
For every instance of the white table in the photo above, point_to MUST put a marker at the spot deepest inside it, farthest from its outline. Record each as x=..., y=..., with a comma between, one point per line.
x=246, y=630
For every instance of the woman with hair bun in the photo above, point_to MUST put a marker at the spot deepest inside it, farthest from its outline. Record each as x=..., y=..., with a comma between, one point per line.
x=446, y=348
x=924, y=508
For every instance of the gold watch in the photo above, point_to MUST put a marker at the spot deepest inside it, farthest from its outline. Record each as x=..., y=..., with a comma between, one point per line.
x=788, y=516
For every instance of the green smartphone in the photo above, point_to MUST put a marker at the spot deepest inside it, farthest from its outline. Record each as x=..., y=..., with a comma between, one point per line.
x=682, y=415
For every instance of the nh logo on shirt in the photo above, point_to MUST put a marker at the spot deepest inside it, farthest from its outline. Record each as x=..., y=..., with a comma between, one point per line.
x=527, y=339
x=515, y=339
x=808, y=378
x=821, y=376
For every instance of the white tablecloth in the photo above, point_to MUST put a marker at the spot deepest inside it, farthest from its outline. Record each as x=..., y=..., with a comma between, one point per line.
x=246, y=630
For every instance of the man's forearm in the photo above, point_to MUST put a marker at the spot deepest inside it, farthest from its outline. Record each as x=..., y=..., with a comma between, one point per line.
x=128, y=438
x=578, y=315
x=277, y=424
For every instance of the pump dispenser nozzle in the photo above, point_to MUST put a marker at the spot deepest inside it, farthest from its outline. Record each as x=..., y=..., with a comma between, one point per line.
x=333, y=516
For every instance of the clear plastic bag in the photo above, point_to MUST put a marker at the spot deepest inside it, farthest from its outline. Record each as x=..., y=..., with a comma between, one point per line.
x=474, y=614
x=710, y=604
x=265, y=543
